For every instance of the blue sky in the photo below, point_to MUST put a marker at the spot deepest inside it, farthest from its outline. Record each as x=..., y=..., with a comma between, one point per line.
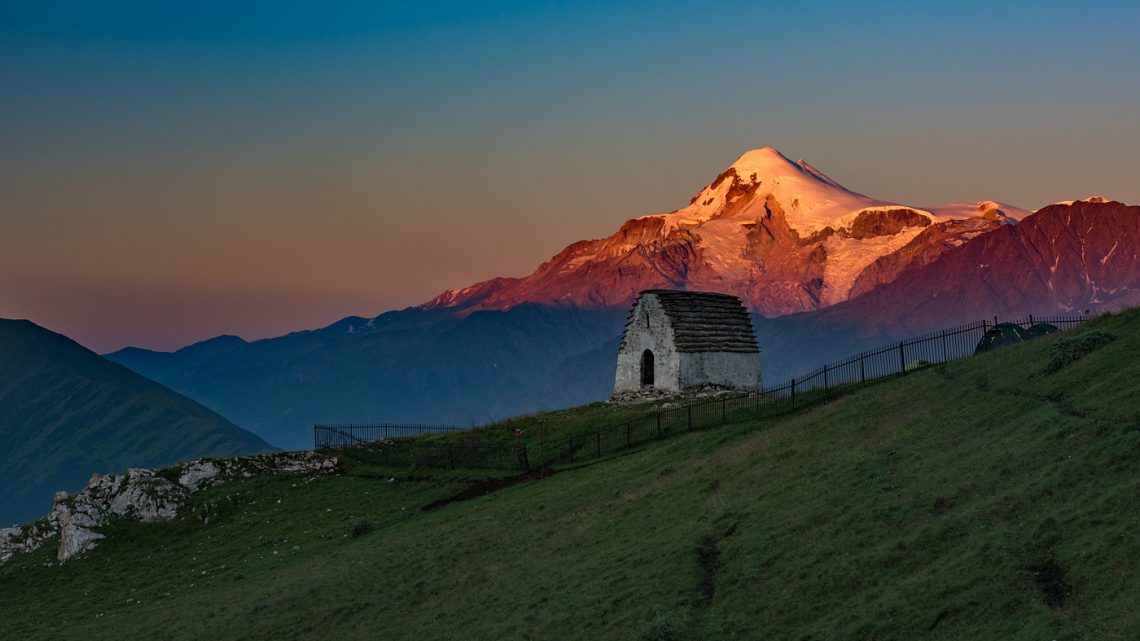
x=303, y=161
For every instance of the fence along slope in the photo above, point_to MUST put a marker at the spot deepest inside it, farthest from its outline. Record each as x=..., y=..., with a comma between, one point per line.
x=387, y=452
x=815, y=386
x=331, y=436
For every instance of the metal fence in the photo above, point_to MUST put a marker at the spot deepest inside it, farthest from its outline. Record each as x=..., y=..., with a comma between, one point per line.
x=350, y=434
x=818, y=385
x=412, y=454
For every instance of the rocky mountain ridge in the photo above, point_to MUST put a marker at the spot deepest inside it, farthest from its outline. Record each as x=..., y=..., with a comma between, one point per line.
x=1063, y=259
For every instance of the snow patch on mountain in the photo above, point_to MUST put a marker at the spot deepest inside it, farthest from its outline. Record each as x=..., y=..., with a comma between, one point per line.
x=1091, y=199
x=848, y=257
x=957, y=211
x=1110, y=252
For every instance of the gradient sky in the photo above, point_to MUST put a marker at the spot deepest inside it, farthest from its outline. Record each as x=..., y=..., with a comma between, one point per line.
x=174, y=171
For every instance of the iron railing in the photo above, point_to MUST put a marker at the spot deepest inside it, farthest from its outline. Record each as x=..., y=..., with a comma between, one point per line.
x=414, y=454
x=333, y=436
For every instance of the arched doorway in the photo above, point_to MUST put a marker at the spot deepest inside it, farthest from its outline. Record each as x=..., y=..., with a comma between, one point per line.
x=647, y=368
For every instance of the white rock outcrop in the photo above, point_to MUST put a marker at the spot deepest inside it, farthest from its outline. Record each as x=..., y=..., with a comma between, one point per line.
x=145, y=495
x=8, y=538
x=139, y=494
x=77, y=519
x=19, y=539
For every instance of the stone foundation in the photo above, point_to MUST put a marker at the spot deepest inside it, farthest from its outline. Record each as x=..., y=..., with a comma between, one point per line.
x=649, y=394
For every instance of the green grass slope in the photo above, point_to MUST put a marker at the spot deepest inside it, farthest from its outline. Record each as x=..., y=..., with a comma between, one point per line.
x=982, y=499
x=66, y=412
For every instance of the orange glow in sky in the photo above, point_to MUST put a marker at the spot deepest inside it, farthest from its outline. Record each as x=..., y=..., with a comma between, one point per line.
x=252, y=170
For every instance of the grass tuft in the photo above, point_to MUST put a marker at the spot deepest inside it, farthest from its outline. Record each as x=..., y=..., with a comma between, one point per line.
x=663, y=627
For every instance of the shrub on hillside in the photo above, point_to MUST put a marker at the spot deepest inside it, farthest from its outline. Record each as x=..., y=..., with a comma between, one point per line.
x=1070, y=349
x=663, y=627
x=361, y=527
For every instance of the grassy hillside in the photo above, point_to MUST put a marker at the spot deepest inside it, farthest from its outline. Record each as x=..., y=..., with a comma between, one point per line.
x=982, y=499
x=66, y=412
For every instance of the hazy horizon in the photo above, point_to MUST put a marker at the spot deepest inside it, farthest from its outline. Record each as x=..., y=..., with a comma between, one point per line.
x=172, y=174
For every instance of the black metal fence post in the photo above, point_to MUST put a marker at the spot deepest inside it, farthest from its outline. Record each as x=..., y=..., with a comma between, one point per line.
x=902, y=359
x=793, y=393
x=862, y=371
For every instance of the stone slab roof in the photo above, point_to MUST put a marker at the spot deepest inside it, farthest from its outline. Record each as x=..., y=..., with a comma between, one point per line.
x=707, y=321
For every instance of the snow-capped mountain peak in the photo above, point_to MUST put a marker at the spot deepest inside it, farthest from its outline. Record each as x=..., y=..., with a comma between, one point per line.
x=768, y=162
x=811, y=201
x=779, y=233
x=765, y=162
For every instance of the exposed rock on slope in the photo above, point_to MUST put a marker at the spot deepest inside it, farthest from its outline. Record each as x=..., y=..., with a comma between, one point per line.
x=25, y=538
x=144, y=495
x=924, y=248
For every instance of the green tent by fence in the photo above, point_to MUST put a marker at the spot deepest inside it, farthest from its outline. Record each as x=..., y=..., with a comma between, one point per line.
x=1006, y=334
x=1002, y=335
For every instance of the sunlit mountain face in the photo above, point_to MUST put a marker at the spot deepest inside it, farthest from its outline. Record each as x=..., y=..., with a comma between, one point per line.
x=779, y=234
